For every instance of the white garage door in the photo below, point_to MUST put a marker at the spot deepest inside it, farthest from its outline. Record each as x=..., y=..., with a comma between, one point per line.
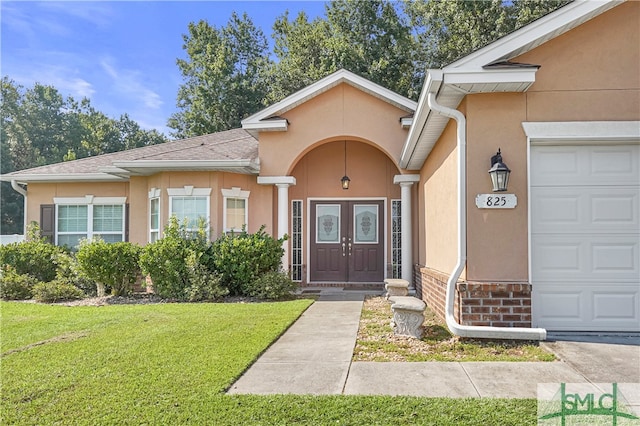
x=585, y=237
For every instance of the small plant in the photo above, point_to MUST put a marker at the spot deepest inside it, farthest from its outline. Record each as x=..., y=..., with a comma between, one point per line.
x=271, y=285
x=56, y=291
x=113, y=265
x=14, y=286
x=242, y=258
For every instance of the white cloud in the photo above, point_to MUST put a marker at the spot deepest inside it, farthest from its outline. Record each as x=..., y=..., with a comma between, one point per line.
x=129, y=84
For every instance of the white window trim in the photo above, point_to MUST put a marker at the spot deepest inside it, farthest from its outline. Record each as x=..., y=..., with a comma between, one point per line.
x=190, y=191
x=236, y=193
x=90, y=201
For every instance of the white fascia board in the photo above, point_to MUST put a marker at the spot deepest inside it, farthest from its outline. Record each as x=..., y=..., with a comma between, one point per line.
x=481, y=76
x=276, y=180
x=431, y=85
x=184, y=164
x=538, y=31
x=583, y=131
x=76, y=177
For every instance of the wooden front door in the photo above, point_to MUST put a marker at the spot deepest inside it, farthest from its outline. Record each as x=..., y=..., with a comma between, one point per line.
x=347, y=241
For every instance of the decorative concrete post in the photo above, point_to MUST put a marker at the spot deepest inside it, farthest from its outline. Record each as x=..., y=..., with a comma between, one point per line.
x=282, y=183
x=406, y=182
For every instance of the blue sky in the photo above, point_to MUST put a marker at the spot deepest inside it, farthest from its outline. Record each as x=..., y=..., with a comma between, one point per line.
x=119, y=54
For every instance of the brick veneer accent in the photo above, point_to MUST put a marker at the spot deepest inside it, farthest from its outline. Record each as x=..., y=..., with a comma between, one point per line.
x=492, y=304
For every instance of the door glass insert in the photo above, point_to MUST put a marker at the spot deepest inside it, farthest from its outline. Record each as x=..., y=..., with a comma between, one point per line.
x=328, y=225
x=366, y=224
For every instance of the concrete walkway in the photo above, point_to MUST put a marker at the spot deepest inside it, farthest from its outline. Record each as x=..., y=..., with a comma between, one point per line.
x=314, y=357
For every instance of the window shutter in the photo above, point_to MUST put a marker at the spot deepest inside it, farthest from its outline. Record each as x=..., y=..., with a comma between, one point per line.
x=48, y=222
x=126, y=222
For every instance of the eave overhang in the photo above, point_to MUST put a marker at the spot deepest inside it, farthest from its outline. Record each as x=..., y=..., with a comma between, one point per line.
x=25, y=178
x=150, y=167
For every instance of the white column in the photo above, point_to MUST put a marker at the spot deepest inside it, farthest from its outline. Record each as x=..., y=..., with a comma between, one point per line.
x=406, y=182
x=282, y=183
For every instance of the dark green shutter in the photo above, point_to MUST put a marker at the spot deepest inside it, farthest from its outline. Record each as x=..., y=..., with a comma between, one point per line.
x=48, y=222
x=126, y=222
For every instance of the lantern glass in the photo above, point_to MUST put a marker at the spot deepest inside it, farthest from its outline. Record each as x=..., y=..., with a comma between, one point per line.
x=499, y=173
x=345, y=182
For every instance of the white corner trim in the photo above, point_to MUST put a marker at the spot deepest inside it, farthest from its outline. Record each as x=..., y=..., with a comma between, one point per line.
x=89, y=199
x=235, y=192
x=564, y=131
x=188, y=191
x=154, y=193
x=276, y=180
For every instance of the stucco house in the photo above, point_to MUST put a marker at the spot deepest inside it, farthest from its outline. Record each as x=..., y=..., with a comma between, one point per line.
x=558, y=249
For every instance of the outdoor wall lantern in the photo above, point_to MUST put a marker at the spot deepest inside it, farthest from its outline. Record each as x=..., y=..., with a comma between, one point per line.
x=499, y=173
x=345, y=179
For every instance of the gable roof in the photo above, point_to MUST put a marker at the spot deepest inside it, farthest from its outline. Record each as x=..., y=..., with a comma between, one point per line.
x=232, y=150
x=489, y=70
x=269, y=119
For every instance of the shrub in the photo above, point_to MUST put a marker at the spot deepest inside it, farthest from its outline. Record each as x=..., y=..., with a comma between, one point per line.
x=70, y=271
x=165, y=260
x=34, y=257
x=204, y=285
x=14, y=286
x=271, y=285
x=114, y=265
x=56, y=291
x=240, y=259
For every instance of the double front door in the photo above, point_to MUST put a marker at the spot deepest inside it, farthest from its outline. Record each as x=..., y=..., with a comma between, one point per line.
x=347, y=241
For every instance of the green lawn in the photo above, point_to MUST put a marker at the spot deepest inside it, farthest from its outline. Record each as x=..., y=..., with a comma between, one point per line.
x=171, y=363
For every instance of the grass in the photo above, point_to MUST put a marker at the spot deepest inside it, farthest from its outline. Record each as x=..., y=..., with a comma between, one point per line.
x=376, y=341
x=171, y=363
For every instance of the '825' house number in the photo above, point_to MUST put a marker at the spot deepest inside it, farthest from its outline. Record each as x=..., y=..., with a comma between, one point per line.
x=496, y=201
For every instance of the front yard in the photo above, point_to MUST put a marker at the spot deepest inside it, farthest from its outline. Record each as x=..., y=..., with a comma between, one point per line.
x=171, y=364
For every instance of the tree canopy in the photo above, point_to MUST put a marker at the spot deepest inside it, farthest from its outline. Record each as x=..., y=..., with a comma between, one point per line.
x=39, y=126
x=230, y=74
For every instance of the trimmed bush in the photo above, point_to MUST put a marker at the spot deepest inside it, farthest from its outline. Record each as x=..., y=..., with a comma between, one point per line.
x=69, y=270
x=56, y=291
x=34, y=257
x=113, y=265
x=241, y=258
x=165, y=260
x=204, y=284
x=272, y=285
x=14, y=286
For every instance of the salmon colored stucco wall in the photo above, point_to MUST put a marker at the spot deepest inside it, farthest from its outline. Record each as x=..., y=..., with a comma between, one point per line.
x=591, y=73
x=438, y=190
x=342, y=112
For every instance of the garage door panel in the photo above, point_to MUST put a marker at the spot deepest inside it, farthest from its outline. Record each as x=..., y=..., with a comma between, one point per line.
x=585, y=257
x=584, y=209
x=585, y=165
x=589, y=308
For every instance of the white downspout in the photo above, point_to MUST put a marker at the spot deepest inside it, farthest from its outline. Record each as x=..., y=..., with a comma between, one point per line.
x=20, y=190
x=483, y=332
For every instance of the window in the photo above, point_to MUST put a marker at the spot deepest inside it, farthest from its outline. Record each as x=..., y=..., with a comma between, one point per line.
x=235, y=209
x=89, y=217
x=190, y=206
x=154, y=215
x=396, y=239
x=296, y=240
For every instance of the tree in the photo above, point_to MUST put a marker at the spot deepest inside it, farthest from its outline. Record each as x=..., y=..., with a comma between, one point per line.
x=222, y=80
x=39, y=126
x=447, y=30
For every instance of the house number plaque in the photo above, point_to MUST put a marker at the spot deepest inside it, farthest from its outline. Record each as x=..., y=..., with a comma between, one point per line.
x=496, y=201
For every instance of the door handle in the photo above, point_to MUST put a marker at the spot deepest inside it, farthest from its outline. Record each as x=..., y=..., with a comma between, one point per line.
x=349, y=249
x=344, y=253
